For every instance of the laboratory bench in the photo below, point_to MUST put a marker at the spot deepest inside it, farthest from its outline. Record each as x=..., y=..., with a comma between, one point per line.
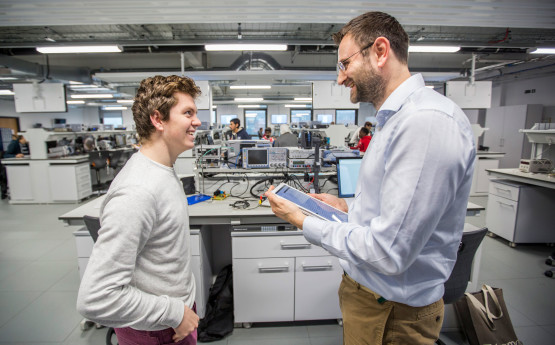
x=278, y=275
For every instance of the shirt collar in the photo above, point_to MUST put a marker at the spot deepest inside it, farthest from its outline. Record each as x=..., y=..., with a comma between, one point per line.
x=395, y=101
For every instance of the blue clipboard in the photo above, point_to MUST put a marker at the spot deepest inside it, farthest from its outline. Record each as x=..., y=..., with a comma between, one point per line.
x=193, y=199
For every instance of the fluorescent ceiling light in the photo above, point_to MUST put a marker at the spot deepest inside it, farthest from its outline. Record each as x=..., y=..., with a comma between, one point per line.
x=242, y=47
x=8, y=78
x=250, y=87
x=430, y=86
x=71, y=82
x=433, y=49
x=7, y=93
x=93, y=95
x=125, y=101
x=83, y=86
x=249, y=106
x=75, y=102
x=252, y=99
x=307, y=99
x=79, y=49
x=114, y=108
x=297, y=105
x=543, y=51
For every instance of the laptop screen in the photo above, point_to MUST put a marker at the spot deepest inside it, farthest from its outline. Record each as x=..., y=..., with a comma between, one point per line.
x=347, y=175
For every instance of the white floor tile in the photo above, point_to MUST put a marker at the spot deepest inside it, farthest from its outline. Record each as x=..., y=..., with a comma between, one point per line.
x=37, y=276
x=49, y=318
x=13, y=302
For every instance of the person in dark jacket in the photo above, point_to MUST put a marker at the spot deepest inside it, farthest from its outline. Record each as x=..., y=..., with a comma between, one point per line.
x=238, y=131
x=14, y=147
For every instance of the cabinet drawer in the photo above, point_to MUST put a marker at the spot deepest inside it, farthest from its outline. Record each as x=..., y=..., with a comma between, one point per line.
x=82, y=169
x=317, y=280
x=504, y=190
x=195, y=244
x=263, y=289
x=501, y=218
x=274, y=246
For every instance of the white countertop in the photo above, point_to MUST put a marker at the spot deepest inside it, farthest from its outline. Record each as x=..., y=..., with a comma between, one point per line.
x=543, y=180
x=58, y=160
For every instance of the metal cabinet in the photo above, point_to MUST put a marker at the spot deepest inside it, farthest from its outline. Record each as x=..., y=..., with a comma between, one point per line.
x=503, y=134
x=521, y=213
x=201, y=268
x=281, y=277
x=69, y=182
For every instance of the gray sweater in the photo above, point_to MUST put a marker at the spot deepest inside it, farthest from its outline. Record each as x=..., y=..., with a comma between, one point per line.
x=139, y=274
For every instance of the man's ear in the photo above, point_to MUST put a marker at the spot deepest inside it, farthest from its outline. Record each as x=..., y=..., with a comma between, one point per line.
x=156, y=120
x=382, y=47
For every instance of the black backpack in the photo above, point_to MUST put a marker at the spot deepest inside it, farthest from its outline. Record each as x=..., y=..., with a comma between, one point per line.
x=218, y=320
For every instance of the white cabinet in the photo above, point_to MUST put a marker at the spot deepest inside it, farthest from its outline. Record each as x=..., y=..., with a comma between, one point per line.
x=84, y=244
x=201, y=267
x=20, y=182
x=263, y=289
x=69, y=182
x=503, y=134
x=282, y=277
x=521, y=213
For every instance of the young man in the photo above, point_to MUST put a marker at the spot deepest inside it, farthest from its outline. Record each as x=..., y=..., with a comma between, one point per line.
x=406, y=220
x=139, y=277
x=238, y=131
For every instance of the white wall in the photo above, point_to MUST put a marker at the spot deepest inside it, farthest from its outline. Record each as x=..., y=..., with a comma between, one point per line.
x=513, y=92
x=87, y=116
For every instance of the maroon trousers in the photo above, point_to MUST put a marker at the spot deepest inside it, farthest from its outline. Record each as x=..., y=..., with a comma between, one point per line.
x=130, y=336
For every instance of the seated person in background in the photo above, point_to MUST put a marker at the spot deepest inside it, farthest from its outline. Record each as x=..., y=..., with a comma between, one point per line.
x=364, y=141
x=238, y=131
x=286, y=139
x=15, y=147
x=268, y=135
x=354, y=139
x=260, y=133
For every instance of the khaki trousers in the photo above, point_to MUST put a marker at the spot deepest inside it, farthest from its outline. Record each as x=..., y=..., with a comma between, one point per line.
x=366, y=321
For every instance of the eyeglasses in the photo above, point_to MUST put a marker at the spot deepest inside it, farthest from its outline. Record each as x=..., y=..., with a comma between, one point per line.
x=341, y=64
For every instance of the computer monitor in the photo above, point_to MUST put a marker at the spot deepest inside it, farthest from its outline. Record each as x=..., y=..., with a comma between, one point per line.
x=347, y=175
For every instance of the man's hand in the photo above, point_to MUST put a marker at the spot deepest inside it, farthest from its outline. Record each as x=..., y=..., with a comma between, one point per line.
x=187, y=325
x=332, y=200
x=285, y=209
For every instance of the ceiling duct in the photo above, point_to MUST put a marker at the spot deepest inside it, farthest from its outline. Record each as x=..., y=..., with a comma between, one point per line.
x=79, y=74
x=255, y=61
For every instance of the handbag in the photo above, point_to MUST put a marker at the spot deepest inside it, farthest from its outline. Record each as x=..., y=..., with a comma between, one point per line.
x=485, y=319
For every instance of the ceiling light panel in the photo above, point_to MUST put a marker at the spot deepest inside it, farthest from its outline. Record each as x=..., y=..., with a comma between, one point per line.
x=251, y=99
x=79, y=49
x=247, y=47
x=244, y=87
x=433, y=49
x=94, y=95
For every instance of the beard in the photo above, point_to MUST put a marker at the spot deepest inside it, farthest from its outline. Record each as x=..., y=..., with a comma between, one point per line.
x=370, y=87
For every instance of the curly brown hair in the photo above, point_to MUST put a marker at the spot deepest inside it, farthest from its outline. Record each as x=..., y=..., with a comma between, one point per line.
x=157, y=93
x=368, y=26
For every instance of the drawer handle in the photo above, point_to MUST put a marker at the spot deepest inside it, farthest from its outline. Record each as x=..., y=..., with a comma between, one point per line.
x=317, y=267
x=273, y=269
x=295, y=245
x=506, y=190
x=508, y=205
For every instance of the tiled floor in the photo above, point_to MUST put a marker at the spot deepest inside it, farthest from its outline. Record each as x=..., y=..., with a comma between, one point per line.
x=39, y=283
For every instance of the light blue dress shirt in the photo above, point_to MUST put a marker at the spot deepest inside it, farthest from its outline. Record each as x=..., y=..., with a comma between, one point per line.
x=407, y=216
